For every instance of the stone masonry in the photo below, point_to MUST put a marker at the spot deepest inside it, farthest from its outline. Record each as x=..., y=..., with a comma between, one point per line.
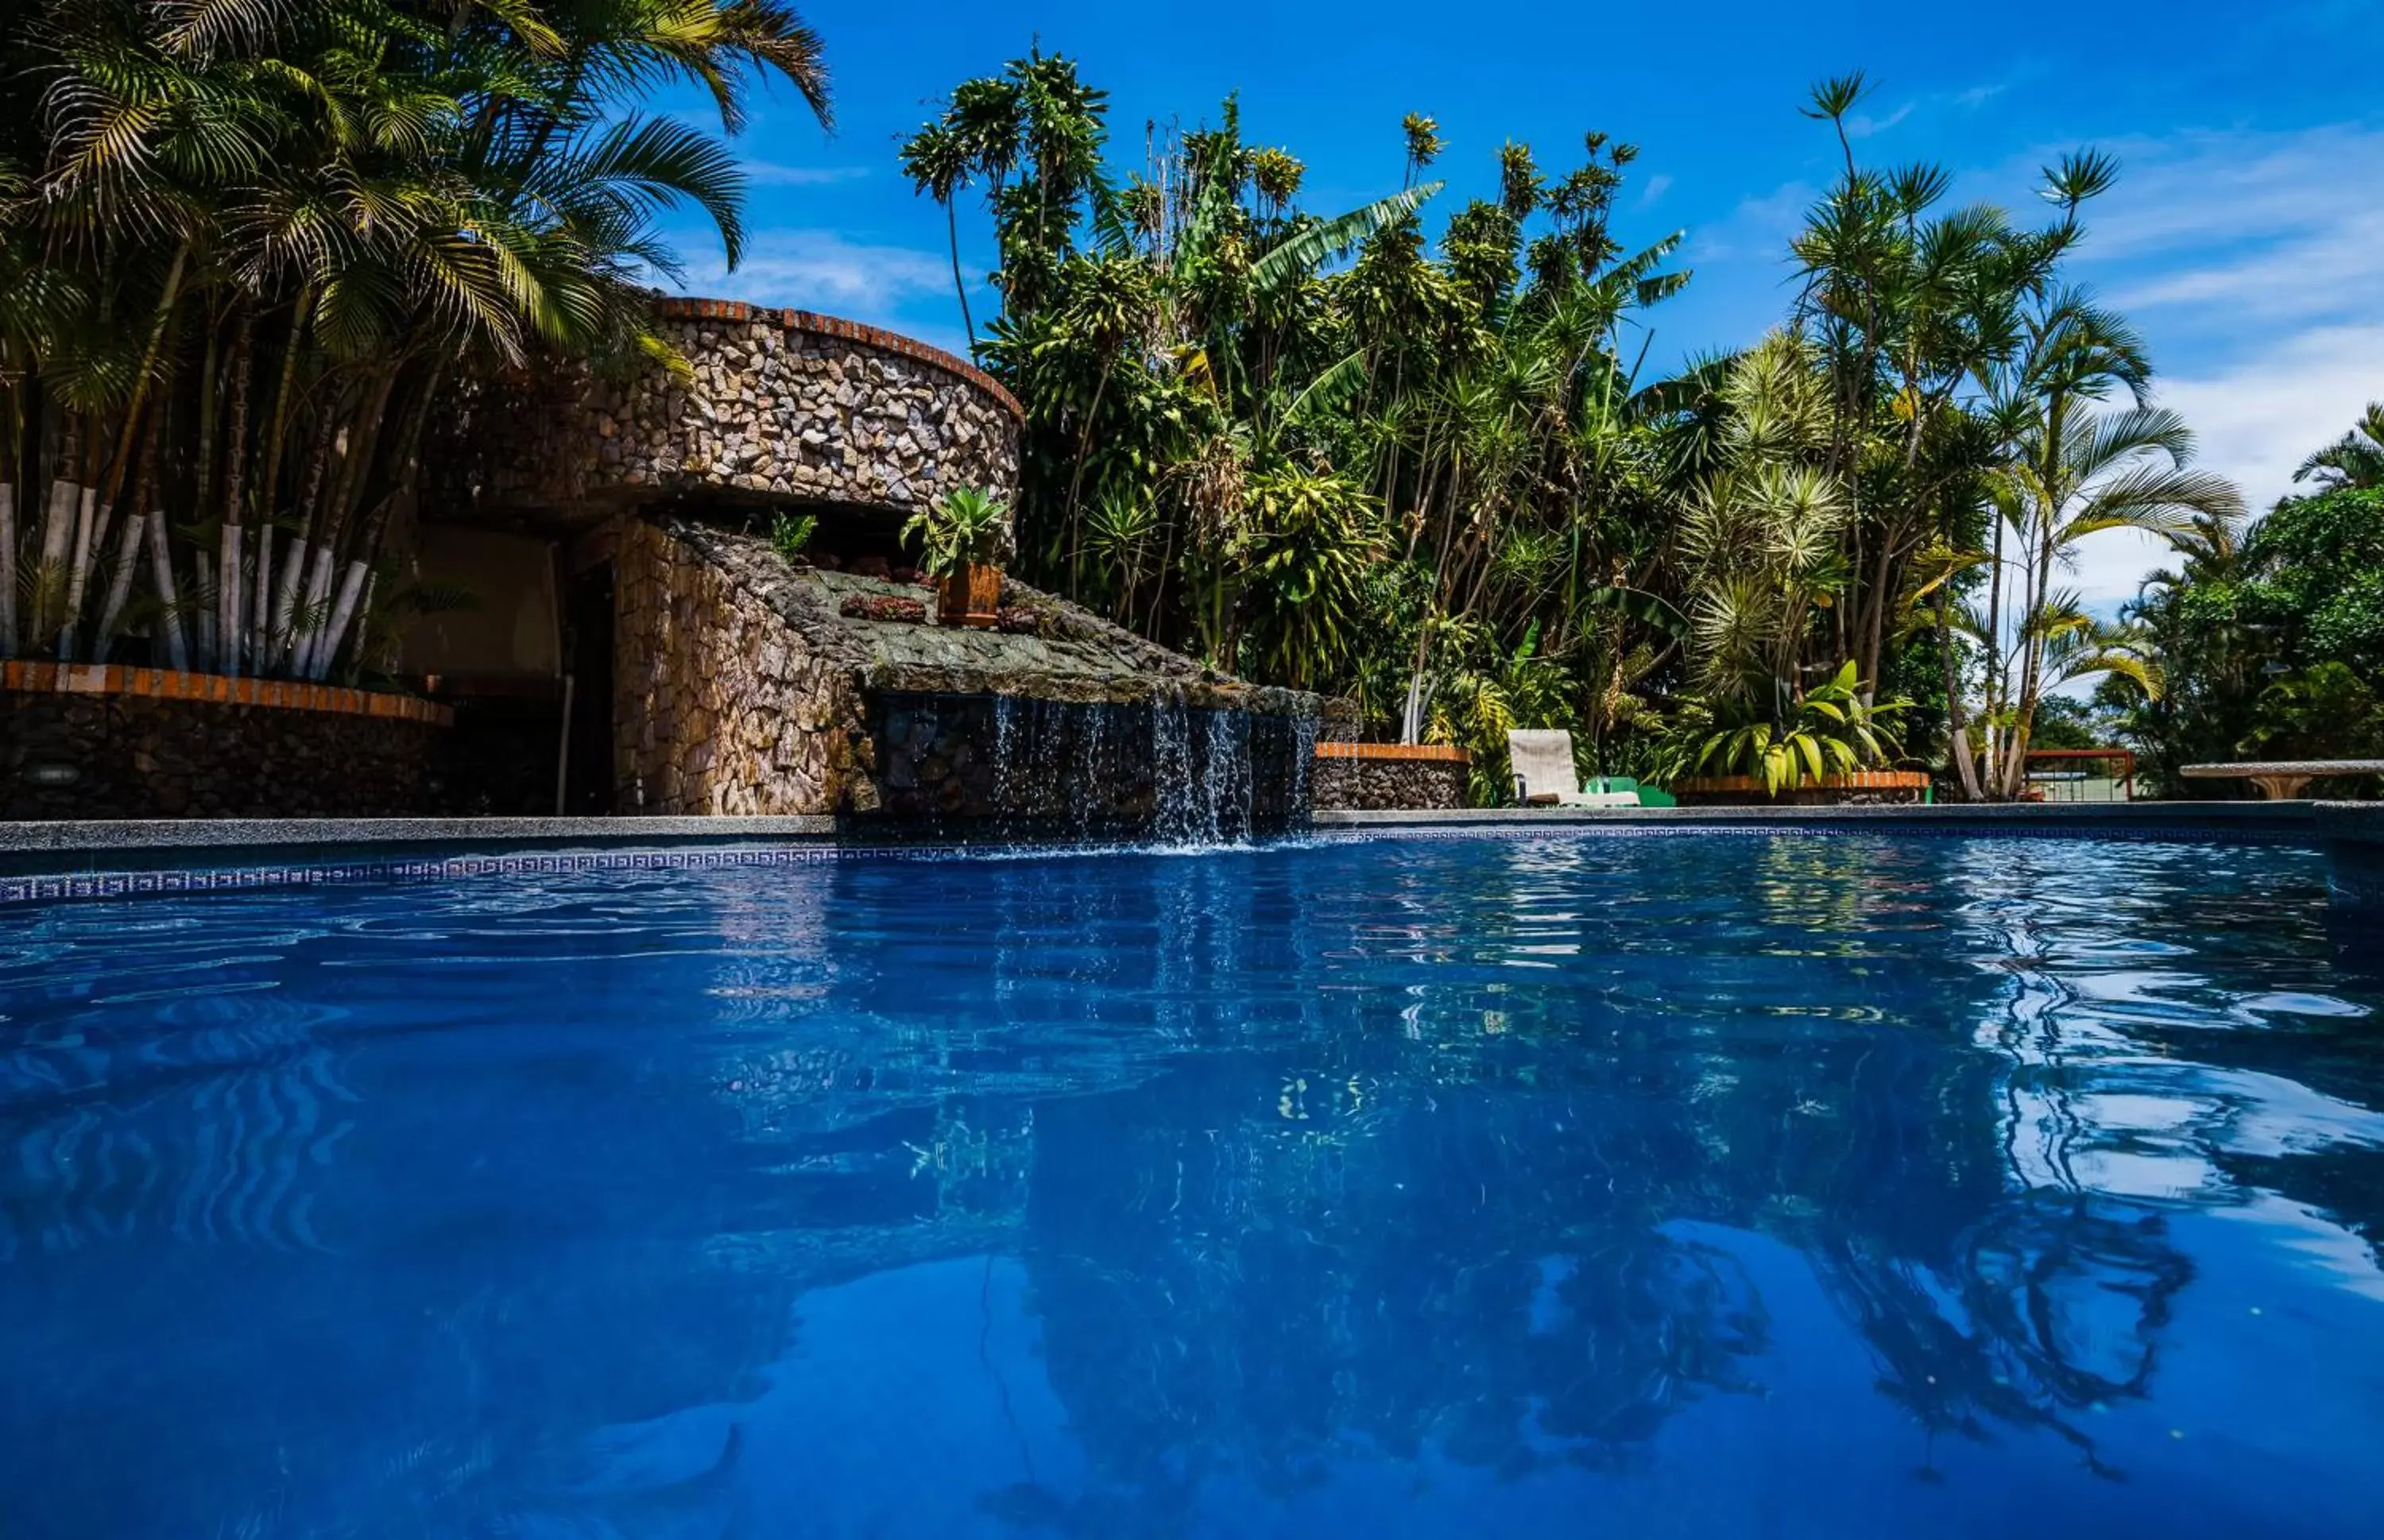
x=147, y=757
x=744, y=684
x=782, y=405
x=1354, y=780
x=719, y=706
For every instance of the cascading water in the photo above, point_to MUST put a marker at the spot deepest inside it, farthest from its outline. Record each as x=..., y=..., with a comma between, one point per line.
x=1174, y=810
x=1029, y=769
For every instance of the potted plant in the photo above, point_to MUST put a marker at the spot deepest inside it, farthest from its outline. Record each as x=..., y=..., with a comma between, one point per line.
x=964, y=537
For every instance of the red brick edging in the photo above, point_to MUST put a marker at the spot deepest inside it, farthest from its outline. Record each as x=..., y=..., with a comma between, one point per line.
x=689, y=308
x=1440, y=754
x=1860, y=781
x=165, y=684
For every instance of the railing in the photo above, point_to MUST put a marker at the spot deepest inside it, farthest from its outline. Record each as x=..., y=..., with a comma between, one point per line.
x=2082, y=785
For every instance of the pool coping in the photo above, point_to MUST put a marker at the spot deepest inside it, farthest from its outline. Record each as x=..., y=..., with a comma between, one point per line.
x=43, y=860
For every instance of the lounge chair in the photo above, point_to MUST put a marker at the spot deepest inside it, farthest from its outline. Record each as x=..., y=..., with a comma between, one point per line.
x=1541, y=761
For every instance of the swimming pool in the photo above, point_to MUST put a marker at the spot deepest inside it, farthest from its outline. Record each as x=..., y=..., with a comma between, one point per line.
x=1705, y=1185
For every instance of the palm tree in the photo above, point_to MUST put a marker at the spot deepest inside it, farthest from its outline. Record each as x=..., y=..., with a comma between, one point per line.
x=2078, y=473
x=327, y=215
x=2356, y=461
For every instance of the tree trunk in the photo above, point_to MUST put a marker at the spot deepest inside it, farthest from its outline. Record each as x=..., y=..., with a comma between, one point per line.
x=119, y=588
x=328, y=650
x=7, y=569
x=228, y=600
x=86, y=529
x=161, y=578
x=952, y=229
x=210, y=656
x=1957, y=726
x=227, y=574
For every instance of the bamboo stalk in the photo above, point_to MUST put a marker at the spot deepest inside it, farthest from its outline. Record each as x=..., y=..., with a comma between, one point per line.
x=318, y=587
x=328, y=648
x=227, y=598
x=227, y=575
x=281, y=641
x=7, y=569
x=209, y=653
x=77, y=570
x=120, y=587
x=161, y=578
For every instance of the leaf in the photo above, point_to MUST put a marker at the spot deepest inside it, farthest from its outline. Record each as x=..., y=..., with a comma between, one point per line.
x=1301, y=253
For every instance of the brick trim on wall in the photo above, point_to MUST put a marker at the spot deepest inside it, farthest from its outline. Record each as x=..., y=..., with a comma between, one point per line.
x=693, y=309
x=1436, y=752
x=1860, y=781
x=91, y=679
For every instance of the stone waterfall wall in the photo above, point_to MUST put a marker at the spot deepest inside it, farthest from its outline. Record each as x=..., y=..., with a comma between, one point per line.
x=740, y=688
x=782, y=404
x=1083, y=770
x=719, y=706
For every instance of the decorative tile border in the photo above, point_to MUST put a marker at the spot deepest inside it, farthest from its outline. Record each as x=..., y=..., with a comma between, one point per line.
x=57, y=887
x=166, y=684
x=1436, y=753
x=2157, y=833
x=691, y=309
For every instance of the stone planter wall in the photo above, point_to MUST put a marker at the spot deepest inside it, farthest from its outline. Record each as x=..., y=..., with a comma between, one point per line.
x=719, y=705
x=1382, y=777
x=1864, y=789
x=784, y=405
x=149, y=743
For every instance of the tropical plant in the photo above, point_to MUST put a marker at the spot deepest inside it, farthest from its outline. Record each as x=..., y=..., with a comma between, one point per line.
x=2352, y=463
x=249, y=249
x=790, y=533
x=1828, y=731
x=964, y=527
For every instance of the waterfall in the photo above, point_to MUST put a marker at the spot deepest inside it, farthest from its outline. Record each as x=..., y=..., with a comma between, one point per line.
x=1174, y=813
x=1163, y=769
x=1005, y=755
x=1226, y=777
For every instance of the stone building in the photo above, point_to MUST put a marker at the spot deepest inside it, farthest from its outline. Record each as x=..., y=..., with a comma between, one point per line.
x=636, y=624
x=634, y=643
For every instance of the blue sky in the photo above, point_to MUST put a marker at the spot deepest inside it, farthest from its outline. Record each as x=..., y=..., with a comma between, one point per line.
x=2246, y=237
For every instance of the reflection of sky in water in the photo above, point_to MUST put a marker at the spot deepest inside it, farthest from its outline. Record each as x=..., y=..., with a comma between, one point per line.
x=1651, y=1186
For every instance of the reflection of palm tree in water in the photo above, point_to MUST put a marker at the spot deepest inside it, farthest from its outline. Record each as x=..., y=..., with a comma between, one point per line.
x=2016, y=1350
x=1262, y=1301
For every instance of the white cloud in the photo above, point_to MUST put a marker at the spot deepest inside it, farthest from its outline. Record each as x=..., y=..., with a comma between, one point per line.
x=1861, y=125
x=1657, y=187
x=764, y=173
x=822, y=271
x=1758, y=228
x=2254, y=264
x=2259, y=419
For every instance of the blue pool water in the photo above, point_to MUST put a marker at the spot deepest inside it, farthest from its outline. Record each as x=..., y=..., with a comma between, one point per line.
x=1711, y=1186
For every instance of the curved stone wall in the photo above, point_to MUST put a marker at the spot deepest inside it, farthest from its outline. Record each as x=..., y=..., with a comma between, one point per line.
x=783, y=405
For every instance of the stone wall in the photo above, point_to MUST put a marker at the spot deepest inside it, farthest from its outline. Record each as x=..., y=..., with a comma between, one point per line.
x=1378, y=776
x=741, y=687
x=719, y=705
x=149, y=757
x=783, y=405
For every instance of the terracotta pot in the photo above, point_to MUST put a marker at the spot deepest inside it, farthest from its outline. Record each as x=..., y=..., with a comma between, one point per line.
x=969, y=595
